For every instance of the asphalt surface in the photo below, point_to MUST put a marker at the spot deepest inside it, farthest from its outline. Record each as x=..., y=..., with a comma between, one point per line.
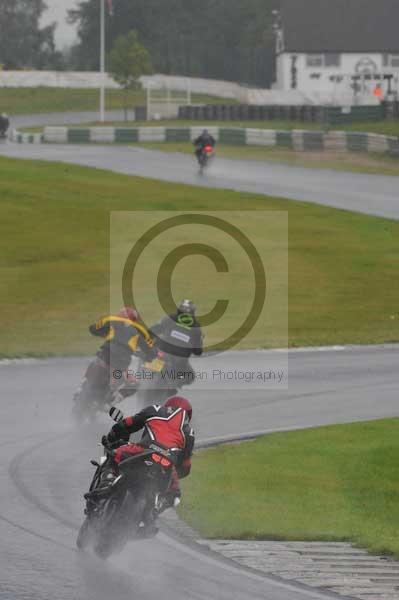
x=45, y=470
x=370, y=194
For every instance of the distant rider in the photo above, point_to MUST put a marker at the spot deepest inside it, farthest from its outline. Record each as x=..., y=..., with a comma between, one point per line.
x=4, y=124
x=168, y=427
x=205, y=139
x=179, y=334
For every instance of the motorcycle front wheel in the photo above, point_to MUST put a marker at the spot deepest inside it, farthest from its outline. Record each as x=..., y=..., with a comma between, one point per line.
x=108, y=533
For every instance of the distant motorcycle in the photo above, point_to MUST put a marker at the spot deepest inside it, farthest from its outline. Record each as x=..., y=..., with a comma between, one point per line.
x=205, y=157
x=4, y=125
x=121, y=508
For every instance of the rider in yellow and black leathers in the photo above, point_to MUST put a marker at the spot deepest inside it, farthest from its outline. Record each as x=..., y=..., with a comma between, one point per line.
x=124, y=335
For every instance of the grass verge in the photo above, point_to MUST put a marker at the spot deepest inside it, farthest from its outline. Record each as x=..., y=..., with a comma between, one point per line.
x=332, y=483
x=16, y=101
x=54, y=247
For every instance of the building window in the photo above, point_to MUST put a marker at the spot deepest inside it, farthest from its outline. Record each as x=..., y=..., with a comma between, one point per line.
x=323, y=60
x=314, y=60
x=332, y=60
x=391, y=60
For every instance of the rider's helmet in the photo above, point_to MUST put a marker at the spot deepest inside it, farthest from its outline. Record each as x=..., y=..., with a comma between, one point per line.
x=187, y=307
x=130, y=313
x=180, y=402
x=205, y=132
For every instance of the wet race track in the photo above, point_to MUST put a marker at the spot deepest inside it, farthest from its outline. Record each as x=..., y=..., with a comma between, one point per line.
x=45, y=461
x=45, y=470
x=371, y=194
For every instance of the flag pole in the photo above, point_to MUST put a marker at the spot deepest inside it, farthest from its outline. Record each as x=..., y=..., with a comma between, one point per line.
x=102, y=61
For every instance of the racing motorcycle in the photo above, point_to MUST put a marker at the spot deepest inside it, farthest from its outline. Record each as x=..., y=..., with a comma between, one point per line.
x=97, y=391
x=205, y=157
x=159, y=382
x=153, y=382
x=4, y=125
x=124, y=507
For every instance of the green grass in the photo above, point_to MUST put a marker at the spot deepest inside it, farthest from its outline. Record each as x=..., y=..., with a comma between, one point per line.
x=54, y=245
x=16, y=101
x=332, y=483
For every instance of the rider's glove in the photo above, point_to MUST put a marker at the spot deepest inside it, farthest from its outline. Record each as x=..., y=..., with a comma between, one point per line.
x=111, y=438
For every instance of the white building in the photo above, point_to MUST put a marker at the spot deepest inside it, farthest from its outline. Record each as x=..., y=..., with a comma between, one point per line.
x=338, y=51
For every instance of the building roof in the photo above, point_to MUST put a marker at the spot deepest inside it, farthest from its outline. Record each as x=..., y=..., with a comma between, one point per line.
x=340, y=25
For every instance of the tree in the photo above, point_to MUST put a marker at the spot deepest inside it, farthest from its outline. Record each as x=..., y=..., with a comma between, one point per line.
x=128, y=61
x=23, y=43
x=220, y=39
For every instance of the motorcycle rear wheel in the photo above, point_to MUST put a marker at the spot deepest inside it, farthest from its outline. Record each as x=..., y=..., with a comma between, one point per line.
x=84, y=406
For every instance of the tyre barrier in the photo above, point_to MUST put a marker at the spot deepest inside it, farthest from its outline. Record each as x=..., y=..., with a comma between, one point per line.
x=333, y=115
x=296, y=139
x=26, y=138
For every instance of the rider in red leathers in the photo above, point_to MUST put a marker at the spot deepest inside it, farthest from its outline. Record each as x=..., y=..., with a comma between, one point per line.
x=168, y=427
x=205, y=139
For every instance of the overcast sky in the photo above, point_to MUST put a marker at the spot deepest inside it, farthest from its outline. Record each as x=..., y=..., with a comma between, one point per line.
x=57, y=10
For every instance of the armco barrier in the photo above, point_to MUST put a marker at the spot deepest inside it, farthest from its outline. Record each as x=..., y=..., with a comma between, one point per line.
x=393, y=146
x=177, y=135
x=297, y=139
x=284, y=139
x=313, y=140
x=261, y=137
x=79, y=136
x=26, y=138
x=235, y=137
x=126, y=135
x=335, y=141
x=357, y=142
